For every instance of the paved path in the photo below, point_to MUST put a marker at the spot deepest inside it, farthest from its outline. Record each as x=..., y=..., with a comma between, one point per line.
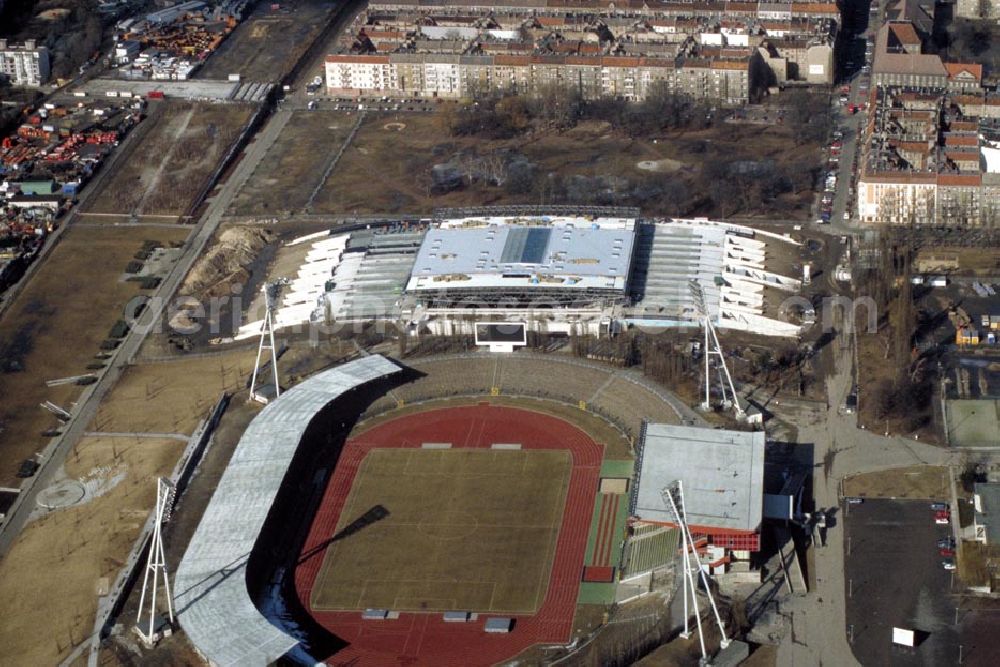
x=86, y=407
x=819, y=632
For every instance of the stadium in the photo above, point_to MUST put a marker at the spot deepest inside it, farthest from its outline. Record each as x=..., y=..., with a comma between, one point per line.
x=571, y=274
x=455, y=510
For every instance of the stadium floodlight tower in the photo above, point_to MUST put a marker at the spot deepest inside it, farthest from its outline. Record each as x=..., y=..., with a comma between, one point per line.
x=156, y=566
x=673, y=494
x=266, y=343
x=725, y=379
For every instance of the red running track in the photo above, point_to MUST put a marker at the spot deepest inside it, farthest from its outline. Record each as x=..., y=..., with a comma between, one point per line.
x=425, y=639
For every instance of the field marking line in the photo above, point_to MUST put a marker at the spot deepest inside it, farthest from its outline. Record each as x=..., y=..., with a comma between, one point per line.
x=604, y=385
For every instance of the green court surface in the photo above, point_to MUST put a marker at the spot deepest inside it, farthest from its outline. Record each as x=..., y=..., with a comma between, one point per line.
x=617, y=468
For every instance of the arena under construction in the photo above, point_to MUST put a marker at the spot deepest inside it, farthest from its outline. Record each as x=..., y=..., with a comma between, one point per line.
x=569, y=274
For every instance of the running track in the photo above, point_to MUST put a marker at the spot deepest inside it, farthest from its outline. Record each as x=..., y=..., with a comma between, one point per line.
x=425, y=639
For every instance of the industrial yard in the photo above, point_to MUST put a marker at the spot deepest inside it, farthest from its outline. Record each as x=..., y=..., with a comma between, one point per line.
x=269, y=41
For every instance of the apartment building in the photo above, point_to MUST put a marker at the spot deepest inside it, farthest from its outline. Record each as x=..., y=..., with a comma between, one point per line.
x=926, y=160
x=727, y=80
x=722, y=51
x=26, y=64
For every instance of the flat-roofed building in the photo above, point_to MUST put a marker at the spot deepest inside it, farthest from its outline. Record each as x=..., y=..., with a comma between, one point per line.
x=722, y=474
x=26, y=64
x=568, y=262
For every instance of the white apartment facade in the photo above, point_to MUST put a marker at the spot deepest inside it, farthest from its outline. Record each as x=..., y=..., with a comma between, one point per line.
x=25, y=65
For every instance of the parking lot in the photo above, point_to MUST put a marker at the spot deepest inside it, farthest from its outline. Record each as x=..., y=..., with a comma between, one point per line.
x=895, y=578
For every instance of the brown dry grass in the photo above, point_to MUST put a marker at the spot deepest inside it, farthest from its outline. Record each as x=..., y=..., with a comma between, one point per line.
x=172, y=397
x=285, y=178
x=388, y=171
x=472, y=529
x=56, y=325
x=176, y=158
x=48, y=580
x=977, y=563
x=914, y=482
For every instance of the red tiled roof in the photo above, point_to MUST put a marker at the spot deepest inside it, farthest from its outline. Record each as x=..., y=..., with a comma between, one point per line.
x=954, y=69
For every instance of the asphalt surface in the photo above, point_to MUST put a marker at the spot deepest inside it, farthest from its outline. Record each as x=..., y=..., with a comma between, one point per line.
x=895, y=579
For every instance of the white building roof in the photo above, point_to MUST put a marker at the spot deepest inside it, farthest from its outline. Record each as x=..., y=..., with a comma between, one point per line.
x=571, y=253
x=722, y=472
x=211, y=597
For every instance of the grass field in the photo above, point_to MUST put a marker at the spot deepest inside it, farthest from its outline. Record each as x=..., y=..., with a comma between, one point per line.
x=467, y=529
x=179, y=152
x=913, y=482
x=55, y=327
x=294, y=165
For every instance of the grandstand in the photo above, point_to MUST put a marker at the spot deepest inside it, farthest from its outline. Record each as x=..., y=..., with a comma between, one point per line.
x=561, y=273
x=623, y=397
x=723, y=476
x=212, y=598
x=734, y=264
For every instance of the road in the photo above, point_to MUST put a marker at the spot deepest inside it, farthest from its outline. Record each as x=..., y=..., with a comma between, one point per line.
x=86, y=407
x=840, y=449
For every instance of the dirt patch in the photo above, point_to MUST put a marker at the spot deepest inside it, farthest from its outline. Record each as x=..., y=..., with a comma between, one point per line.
x=663, y=166
x=226, y=262
x=266, y=45
x=56, y=326
x=60, y=557
x=294, y=164
x=912, y=482
x=178, y=154
x=172, y=397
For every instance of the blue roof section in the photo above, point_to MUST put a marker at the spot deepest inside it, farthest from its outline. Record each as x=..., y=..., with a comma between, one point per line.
x=493, y=255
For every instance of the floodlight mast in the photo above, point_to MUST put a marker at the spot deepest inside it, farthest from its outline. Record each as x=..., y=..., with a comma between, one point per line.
x=267, y=340
x=156, y=562
x=725, y=380
x=674, y=495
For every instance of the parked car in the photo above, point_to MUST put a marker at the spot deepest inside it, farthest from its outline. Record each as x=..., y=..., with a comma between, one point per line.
x=854, y=500
x=942, y=520
x=948, y=552
x=948, y=564
x=939, y=507
x=946, y=543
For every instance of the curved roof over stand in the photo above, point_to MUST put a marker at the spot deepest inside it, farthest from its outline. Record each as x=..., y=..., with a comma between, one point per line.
x=210, y=588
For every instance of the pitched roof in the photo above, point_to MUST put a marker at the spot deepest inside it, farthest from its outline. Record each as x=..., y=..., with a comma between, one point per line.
x=954, y=69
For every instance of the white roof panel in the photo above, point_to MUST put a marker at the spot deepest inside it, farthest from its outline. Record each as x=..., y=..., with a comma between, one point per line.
x=722, y=472
x=211, y=597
